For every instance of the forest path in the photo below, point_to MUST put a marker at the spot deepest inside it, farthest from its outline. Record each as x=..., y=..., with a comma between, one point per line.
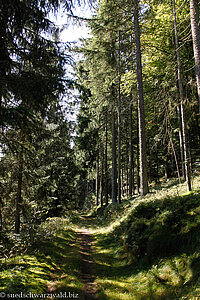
x=85, y=239
x=87, y=264
x=73, y=256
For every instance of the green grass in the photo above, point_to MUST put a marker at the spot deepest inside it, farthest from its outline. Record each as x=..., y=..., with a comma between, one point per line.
x=144, y=249
x=51, y=265
x=149, y=248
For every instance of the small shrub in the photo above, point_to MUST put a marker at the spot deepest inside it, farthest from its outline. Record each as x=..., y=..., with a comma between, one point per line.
x=145, y=210
x=137, y=237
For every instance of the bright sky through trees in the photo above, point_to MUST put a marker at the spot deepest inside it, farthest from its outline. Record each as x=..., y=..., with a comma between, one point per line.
x=72, y=30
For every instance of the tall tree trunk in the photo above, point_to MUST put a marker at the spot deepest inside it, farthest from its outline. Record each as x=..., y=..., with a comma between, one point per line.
x=122, y=181
x=138, y=157
x=181, y=142
x=141, y=113
x=187, y=171
x=97, y=179
x=101, y=174
x=150, y=168
x=114, y=175
x=106, y=160
x=175, y=158
x=4, y=62
x=190, y=155
x=119, y=127
x=131, y=150
x=157, y=166
x=194, y=17
x=1, y=215
x=127, y=172
x=19, y=192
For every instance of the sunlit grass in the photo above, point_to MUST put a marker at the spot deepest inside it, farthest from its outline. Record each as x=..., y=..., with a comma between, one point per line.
x=163, y=281
x=52, y=265
x=164, y=190
x=173, y=277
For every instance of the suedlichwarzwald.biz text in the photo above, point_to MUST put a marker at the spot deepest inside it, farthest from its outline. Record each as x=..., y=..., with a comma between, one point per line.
x=30, y=295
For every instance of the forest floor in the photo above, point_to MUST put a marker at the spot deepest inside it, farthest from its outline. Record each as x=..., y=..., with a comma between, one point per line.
x=96, y=256
x=87, y=264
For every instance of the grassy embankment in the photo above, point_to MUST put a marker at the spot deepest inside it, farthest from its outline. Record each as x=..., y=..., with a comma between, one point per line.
x=150, y=248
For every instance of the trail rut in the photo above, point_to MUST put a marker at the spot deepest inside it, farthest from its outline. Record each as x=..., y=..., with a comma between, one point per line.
x=87, y=264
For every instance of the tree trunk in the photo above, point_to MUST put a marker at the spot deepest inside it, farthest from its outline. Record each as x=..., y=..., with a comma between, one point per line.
x=141, y=113
x=181, y=142
x=1, y=215
x=190, y=155
x=106, y=161
x=119, y=128
x=131, y=150
x=149, y=168
x=101, y=174
x=194, y=17
x=157, y=167
x=114, y=177
x=175, y=158
x=138, y=158
x=187, y=171
x=4, y=63
x=127, y=172
x=122, y=181
x=19, y=192
x=97, y=180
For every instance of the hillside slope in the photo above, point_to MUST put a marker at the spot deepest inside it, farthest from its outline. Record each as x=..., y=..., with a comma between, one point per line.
x=149, y=248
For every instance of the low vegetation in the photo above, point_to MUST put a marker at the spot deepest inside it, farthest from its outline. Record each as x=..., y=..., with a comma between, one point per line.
x=147, y=248
x=151, y=250
x=49, y=265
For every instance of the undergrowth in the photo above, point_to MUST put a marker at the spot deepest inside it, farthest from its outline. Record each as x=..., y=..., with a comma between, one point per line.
x=149, y=248
x=50, y=264
x=146, y=248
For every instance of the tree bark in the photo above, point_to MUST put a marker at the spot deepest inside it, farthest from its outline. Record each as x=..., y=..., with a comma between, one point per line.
x=101, y=174
x=141, y=113
x=138, y=157
x=181, y=142
x=119, y=128
x=127, y=172
x=4, y=65
x=175, y=158
x=157, y=167
x=187, y=171
x=1, y=215
x=18, y=202
x=194, y=18
x=97, y=180
x=114, y=175
x=131, y=150
x=190, y=154
x=106, y=160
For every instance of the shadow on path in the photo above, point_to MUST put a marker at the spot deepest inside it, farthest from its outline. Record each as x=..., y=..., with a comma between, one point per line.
x=87, y=264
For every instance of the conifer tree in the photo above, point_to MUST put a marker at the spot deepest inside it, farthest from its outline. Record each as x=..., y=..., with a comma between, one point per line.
x=187, y=171
x=194, y=16
x=141, y=113
x=31, y=68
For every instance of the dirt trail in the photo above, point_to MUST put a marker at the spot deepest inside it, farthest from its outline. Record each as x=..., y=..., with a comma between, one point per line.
x=87, y=267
